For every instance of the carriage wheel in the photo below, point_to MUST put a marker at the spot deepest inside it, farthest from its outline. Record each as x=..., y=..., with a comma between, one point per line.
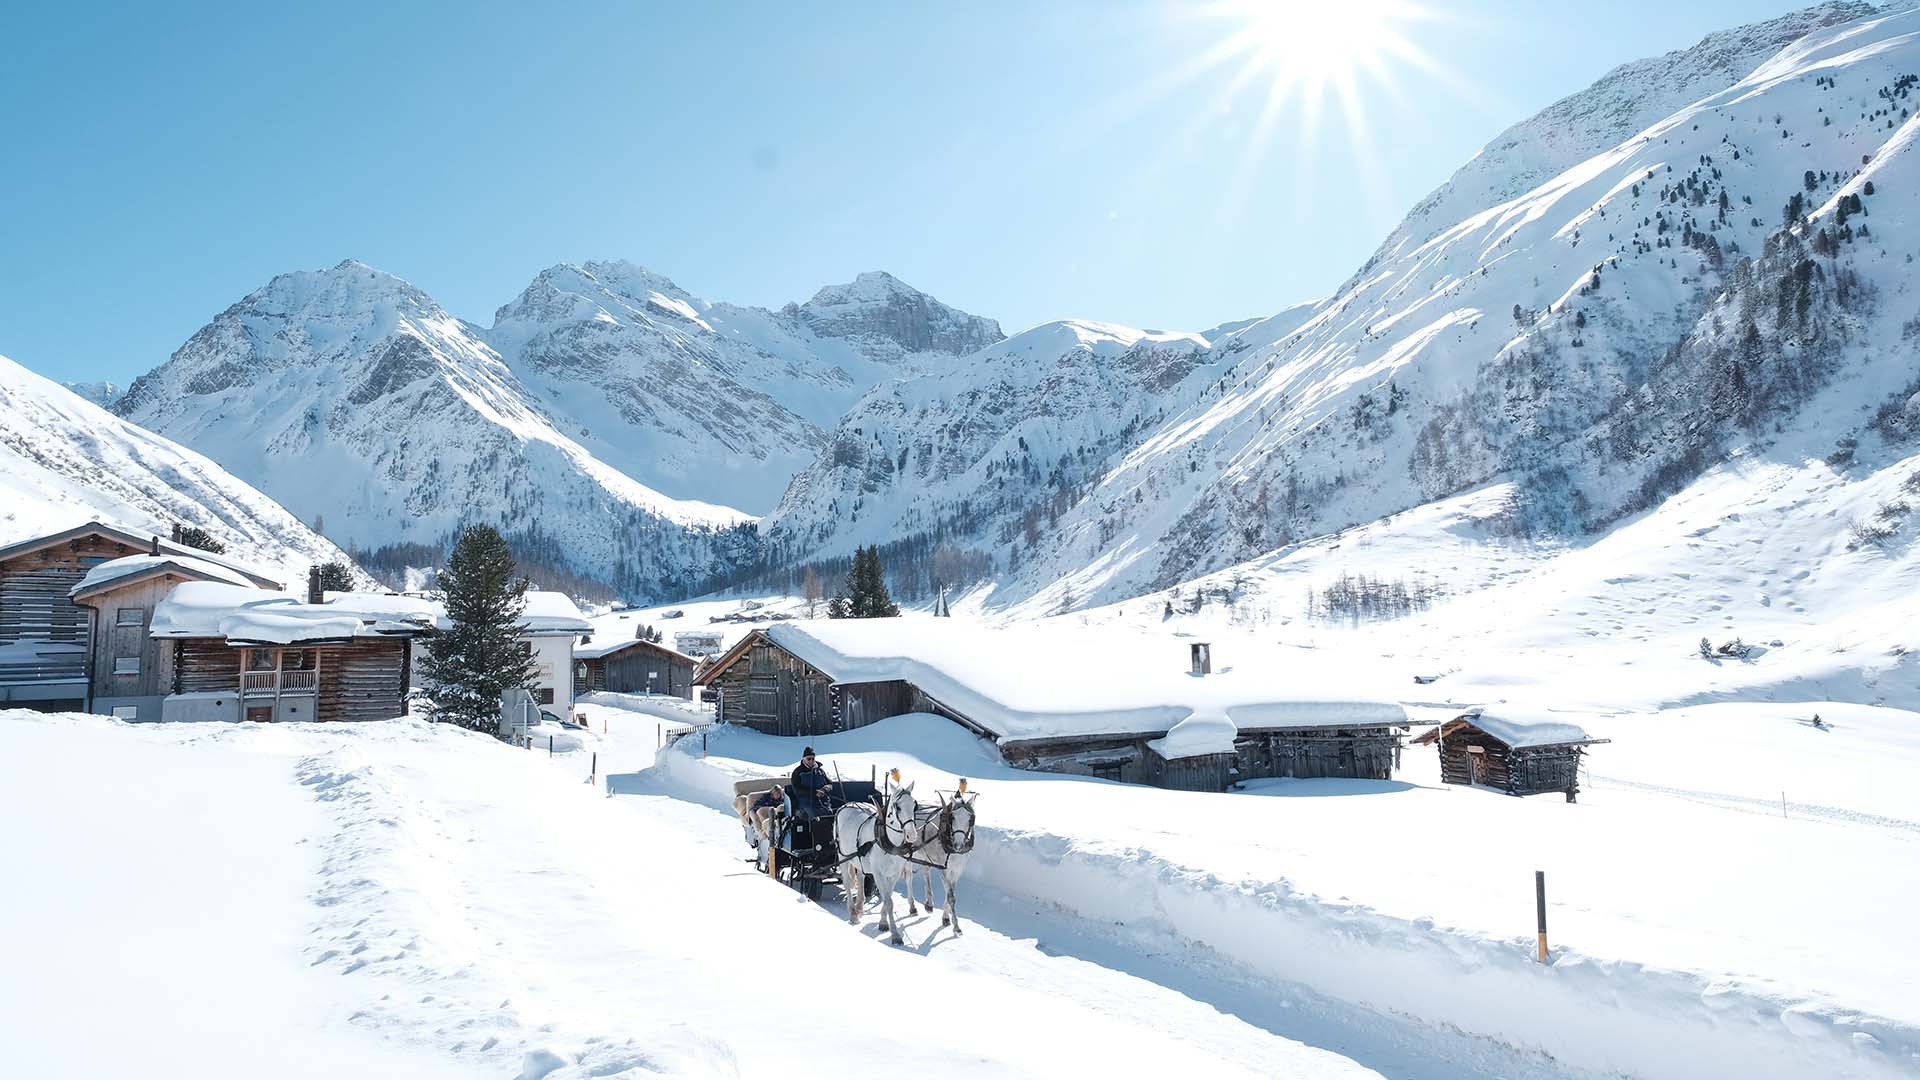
x=812, y=887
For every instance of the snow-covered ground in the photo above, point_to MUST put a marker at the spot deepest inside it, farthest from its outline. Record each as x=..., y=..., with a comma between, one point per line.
x=1699, y=927
x=405, y=899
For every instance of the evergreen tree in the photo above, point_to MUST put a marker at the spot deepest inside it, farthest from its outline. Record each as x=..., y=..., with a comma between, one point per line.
x=867, y=593
x=480, y=657
x=194, y=536
x=336, y=576
x=838, y=608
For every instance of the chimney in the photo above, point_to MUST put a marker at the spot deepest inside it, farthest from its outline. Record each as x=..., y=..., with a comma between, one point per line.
x=314, y=595
x=154, y=548
x=1202, y=658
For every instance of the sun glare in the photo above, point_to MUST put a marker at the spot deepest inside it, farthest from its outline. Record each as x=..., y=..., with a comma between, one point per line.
x=1311, y=45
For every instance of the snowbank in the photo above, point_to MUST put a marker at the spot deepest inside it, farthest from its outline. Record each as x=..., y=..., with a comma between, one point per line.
x=1199, y=733
x=1047, y=681
x=1723, y=975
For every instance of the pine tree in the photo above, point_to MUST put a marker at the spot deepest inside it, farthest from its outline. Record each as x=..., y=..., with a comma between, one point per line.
x=336, y=576
x=470, y=664
x=194, y=536
x=838, y=607
x=867, y=589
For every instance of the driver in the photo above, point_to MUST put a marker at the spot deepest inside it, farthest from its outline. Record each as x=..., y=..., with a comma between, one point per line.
x=809, y=783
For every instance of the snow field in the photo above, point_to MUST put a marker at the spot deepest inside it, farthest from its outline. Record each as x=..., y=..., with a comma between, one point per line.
x=408, y=899
x=1692, y=936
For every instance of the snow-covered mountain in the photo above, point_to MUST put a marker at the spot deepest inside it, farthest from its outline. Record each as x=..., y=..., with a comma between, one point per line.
x=354, y=398
x=989, y=453
x=101, y=392
x=1622, y=103
x=65, y=461
x=710, y=400
x=1593, y=307
x=358, y=401
x=1600, y=339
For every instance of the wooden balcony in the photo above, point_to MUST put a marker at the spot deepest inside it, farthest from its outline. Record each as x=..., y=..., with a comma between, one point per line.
x=257, y=684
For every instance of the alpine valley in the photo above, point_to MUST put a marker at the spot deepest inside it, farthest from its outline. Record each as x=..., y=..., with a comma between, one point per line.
x=1702, y=258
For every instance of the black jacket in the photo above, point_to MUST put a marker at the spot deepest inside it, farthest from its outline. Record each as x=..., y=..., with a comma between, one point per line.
x=807, y=784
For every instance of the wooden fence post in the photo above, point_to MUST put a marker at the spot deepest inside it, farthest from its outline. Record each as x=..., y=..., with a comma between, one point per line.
x=1540, y=909
x=549, y=746
x=594, y=776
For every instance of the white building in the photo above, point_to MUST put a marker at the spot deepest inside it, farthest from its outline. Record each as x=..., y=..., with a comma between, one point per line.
x=552, y=626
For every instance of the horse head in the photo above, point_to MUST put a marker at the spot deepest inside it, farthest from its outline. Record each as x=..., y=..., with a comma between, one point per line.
x=900, y=811
x=960, y=822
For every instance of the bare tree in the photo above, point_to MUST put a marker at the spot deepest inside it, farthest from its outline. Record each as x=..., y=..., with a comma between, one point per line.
x=810, y=589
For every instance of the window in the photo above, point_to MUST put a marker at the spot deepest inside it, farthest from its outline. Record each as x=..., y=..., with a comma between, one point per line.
x=126, y=665
x=126, y=712
x=544, y=695
x=262, y=659
x=296, y=659
x=130, y=616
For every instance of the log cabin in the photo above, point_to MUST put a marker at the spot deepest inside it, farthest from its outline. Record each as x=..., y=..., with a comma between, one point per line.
x=1510, y=750
x=60, y=646
x=632, y=667
x=1091, y=701
x=247, y=654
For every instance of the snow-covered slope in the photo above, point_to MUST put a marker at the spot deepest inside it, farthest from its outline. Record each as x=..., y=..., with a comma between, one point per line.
x=101, y=392
x=1622, y=103
x=65, y=461
x=987, y=455
x=716, y=401
x=353, y=397
x=1600, y=339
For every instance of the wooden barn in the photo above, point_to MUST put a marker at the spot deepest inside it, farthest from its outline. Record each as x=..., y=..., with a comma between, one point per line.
x=66, y=648
x=632, y=667
x=245, y=654
x=1095, y=702
x=1515, y=753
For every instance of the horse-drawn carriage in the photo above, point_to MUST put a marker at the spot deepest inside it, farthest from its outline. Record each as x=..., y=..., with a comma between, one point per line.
x=859, y=827
x=796, y=846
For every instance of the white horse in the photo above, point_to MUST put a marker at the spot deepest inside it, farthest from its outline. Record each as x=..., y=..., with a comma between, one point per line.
x=867, y=840
x=944, y=840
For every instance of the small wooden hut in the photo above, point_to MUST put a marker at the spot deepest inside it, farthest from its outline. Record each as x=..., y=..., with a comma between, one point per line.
x=1513, y=752
x=632, y=667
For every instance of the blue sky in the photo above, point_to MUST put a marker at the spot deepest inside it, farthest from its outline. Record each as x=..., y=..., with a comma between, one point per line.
x=1026, y=161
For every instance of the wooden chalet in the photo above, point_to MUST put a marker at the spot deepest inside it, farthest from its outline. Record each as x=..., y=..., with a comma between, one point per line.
x=68, y=648
x=241, y=654
x=815, y=678
x=632, y=667
x=1510, y=752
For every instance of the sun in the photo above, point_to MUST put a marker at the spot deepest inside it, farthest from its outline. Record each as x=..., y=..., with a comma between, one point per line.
x=1311, y=46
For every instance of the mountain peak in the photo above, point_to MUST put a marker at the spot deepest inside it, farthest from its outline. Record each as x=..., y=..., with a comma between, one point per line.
x=876, y=306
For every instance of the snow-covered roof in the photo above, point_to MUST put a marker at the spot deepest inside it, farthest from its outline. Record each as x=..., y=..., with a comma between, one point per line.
x=130, y=566
x=1523, y=727
x=133, y=540
x=1042, y=681
x=239, y=613
x=553, y=613
x=595, y=652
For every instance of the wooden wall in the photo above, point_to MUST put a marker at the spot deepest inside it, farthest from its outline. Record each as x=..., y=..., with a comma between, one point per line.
x=205, y=664
x=1365, y=753
x=34, y=606
x=1203, y=772
x=366, y=680
x=111, y=640
x=769, y=689
x=859, y=704
x=626, y=672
